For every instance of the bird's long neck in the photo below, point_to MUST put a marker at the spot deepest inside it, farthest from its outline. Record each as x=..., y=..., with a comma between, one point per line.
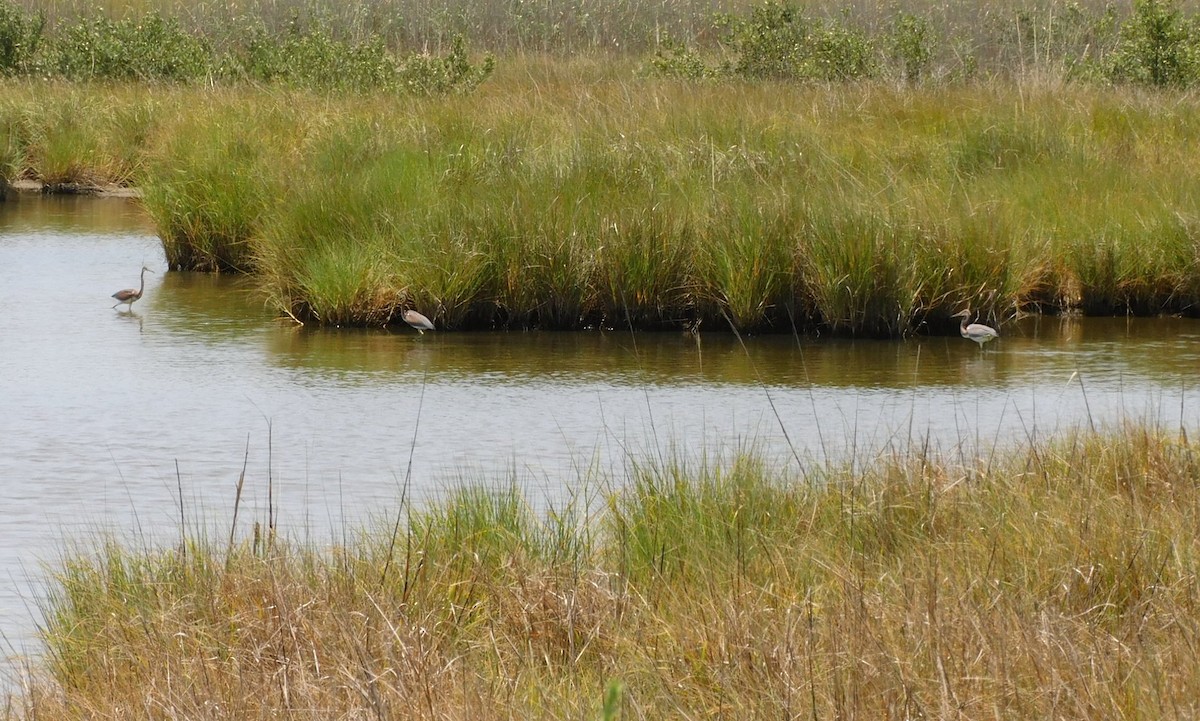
x=962, y=327
x=142, y=285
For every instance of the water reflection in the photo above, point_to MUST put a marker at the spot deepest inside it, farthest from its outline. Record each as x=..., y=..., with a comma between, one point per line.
x=81, y=214
x=1032, y=350
x=206, y=308
x=133, y=317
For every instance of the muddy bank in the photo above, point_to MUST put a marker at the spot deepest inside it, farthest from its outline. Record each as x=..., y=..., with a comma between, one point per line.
x=108, y=190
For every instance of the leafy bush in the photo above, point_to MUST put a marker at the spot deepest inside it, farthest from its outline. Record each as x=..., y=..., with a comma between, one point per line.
x=157, y=48
x=425, y=74
x=675, y=60
x=1157, y=46
x=778, y=42
x=147, y=48
x=911, y=46
x=19, y=38
x=309, y=57
x=315, y=59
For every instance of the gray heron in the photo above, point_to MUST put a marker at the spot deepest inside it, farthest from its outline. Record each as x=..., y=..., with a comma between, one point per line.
x=977, y=332
x=418, y=321
x=129, y=295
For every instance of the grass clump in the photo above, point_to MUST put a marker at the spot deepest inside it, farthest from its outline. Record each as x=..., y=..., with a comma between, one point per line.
x=210, y=181
x=1056, y=578
x=74, y=138
x=366, y=234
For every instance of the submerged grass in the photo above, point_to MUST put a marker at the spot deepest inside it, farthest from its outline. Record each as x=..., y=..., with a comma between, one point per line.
x=1056, y=580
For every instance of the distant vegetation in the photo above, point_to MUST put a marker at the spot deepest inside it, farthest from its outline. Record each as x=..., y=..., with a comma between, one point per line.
x=1156, y=44
x=1058, y=580
x=390, y=43
x=154, y=47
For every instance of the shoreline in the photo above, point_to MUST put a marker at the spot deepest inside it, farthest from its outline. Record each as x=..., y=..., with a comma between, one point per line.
x=108, y=190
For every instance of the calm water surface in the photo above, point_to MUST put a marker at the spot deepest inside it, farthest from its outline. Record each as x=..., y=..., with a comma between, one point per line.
x=99, y=407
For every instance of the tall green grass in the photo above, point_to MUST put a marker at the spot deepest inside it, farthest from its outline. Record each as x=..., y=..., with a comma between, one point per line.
x=657, y=204
x=1053, y=579
x=62, y=135
x=570, y=194
x=207, y=182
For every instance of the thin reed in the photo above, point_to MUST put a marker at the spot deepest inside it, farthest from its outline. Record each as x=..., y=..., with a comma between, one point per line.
x=1054, y=580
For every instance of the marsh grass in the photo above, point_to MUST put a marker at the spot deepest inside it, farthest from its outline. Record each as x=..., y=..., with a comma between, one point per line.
x=573, y=194
x=207, y=182
x=67, y=136
x=875, y=217
x=1058, y=578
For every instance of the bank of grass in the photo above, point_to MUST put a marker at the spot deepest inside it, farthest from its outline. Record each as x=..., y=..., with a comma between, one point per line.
x=548, y=202
x=575, y=193
x=1058, y=580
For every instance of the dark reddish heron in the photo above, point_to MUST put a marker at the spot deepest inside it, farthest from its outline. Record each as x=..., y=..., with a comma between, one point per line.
x=977, y=332
x=418, y=321
x=129, y=295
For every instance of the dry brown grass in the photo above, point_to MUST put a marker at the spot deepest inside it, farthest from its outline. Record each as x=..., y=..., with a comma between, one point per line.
x=1058, y=581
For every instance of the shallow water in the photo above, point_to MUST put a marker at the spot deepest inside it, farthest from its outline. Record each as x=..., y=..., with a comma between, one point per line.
x=110, y=417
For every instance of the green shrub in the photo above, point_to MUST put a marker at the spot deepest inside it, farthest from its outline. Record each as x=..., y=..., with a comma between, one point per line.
x=911, y=46
x=312, y=58
x=425, y=74
x=19, y=38
x=309, y=57
x=778, y=42
x=676, y=60
x=147, y=48
x=1157, y=47
x=156, y=48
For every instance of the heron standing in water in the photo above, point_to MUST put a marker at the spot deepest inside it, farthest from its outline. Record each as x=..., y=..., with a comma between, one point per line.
x=418, y=321
x=129, y=295
x=977, y=332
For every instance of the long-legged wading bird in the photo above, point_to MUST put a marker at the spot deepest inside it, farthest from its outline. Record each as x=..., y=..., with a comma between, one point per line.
x=977, y=332
x=418, y=321
x=129, y=295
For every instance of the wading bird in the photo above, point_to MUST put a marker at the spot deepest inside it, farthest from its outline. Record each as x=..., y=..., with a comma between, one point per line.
x=129, y=295
x=418, y=321
x=977, y=332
